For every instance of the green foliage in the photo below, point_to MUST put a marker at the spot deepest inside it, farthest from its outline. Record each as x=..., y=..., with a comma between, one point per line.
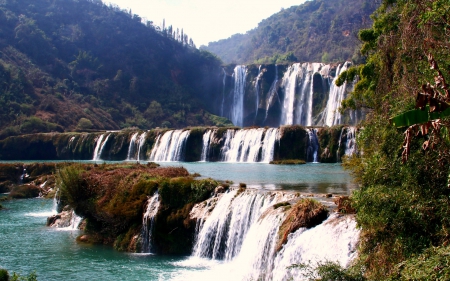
x=328, y=271
x=318, y=30
x=4, y=275
x=84, y=124
x=64, y=71
x=30, y=277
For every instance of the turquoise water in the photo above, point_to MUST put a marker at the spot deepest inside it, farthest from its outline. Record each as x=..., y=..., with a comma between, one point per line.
x=28, y=245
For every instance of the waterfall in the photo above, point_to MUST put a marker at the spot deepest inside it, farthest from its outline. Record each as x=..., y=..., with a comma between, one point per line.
x=207, y=137
x=135, y=146
x=350, y=144
x=257, y=91
x=338, y=151
x=141, y=143
x=334, y=240
x=268, y=146
x=132, y=147
x=242, y=230
x=289, y=83
x=332, y=116
x=237, y=111
x=100, y=144
x=170, y=147
x=313, y=146
x=305, y=104
x=224, y=231
x=272, y=93
x=148, y=220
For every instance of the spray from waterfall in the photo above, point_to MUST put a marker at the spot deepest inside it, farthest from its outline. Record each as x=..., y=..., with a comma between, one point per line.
x=148, y=221
x=237, y=111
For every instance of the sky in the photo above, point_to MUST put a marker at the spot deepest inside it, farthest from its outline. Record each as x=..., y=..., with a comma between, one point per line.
x=206, y=20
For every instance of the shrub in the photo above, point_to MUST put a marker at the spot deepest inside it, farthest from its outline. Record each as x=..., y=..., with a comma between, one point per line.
x=24, y=191
x=85, y=124
x=4, y=275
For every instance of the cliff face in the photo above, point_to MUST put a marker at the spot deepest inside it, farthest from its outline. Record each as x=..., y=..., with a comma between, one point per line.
x=194, y=144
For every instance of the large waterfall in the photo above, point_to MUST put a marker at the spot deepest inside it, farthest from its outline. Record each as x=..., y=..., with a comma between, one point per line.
x=242, y=232
x=237, y=111
x=307, y=92
x=170, y=146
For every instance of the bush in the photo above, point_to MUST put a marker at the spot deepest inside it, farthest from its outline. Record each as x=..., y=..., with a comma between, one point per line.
x=4, y=275
x=84, y=124
x=24, y=191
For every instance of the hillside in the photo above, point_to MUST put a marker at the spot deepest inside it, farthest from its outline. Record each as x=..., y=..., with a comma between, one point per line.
x=316, y=31
x=77, y=65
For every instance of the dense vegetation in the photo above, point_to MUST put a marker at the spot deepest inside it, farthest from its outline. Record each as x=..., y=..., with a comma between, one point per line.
x=112, y=199
x=403, y=203
x=316, y=31
x=68, y=65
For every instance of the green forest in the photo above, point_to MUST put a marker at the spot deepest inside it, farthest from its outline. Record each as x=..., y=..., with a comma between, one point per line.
x=316, y=31
x=403, y=204
x=70, y=65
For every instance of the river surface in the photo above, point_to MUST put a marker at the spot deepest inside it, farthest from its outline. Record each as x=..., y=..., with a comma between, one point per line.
x=28, y=245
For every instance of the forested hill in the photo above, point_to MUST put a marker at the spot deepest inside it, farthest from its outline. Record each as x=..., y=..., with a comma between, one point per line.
x=316, y=31
x=79, y=64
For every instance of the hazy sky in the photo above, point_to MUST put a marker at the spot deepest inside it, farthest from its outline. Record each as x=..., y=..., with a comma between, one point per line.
x=206, y=20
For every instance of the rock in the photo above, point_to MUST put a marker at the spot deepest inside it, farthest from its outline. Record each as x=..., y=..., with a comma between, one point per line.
x=329, y=195
x=220, y=189
x=51, y=220
x=83, y=238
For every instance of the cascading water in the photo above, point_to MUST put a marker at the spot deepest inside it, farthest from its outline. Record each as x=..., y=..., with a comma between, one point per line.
x=334, y=240
x=170, y=147
x=289, y=83
x=237, y=111
x=350, y=144
x=148, y=221
x=207, y=137
x=313, y=146
x=272, y=93
x=223, y=232
x=141, y=143
x=304, y=110
x=243, y=229
x=249, y=145
x=257, y=86
x=332, y=116
x=132, y=147
x=100, y=144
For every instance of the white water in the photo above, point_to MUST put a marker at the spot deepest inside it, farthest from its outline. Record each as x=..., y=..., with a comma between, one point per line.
x=298, y=105
x=135, y=146
x=257, y=86
x=132, y=147
x=313, y=146
x=99, y=146
x=249, y=145
x=207, y=138
x=350, y=144
x=272, y=93
x=237, y=111
x=148, y=220
x=75, y=221
x=332, y=116
x=334, y=240
x=237, y=241
x=170, y=147
x=289, y=83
